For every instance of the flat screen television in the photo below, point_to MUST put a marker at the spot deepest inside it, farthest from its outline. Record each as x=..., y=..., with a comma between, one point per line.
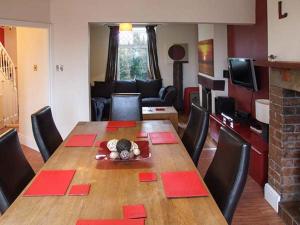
x=242, y=72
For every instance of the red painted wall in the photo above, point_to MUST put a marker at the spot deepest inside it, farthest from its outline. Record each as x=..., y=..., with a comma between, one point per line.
x=251, y=42
x=2, y=36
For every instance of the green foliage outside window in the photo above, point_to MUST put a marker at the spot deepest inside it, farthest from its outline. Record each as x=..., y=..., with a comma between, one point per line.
x=133, y=55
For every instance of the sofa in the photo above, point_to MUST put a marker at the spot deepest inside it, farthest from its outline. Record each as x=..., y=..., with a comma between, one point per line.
x=152, y=92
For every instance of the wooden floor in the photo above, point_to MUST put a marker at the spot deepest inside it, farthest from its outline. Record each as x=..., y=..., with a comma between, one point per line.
x=252, y=208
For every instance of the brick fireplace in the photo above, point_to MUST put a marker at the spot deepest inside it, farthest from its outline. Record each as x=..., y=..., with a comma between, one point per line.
x=284, y=142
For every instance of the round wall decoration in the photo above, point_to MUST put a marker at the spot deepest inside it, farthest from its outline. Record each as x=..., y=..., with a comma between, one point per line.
x=176, y=52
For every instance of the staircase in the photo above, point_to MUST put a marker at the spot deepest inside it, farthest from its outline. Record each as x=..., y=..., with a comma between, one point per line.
x=8, y=90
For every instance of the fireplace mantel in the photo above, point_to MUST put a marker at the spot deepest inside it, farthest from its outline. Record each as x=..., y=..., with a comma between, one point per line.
x=285, y=75
x=289, y=65
x=215, y=85
x=284, y=65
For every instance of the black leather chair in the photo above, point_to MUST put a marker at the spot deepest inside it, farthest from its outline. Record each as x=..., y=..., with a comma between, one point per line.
x=45, y=132
x=227, y=174
x=196, y=131
x=126, y=107
x=15, y=171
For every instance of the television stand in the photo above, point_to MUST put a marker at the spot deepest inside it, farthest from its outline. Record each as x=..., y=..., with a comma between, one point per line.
x=258, y=167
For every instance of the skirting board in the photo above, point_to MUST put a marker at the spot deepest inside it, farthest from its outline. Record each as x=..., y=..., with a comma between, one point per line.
x=271, y=196
x=28, y=141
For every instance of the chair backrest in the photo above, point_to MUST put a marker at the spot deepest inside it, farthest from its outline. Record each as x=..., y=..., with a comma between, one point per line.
x=45, y=132
x=126, y=107
x=15, y=171
x=227, y=174
x=196, y=131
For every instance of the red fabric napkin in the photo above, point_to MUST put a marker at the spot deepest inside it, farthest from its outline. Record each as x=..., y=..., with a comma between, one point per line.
x=119, y=124
x=80, y=189
x=97, y=143
x=142, y=134
x=134, y=211
x=160, y=109
x=183, y=184
x=111, y=222
x=50, y=182
x=147, y=177
x=163, y=138
x=81, y=140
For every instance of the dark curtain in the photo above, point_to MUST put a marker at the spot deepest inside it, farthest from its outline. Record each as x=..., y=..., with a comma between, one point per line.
x=154, y=72
x=112, y=58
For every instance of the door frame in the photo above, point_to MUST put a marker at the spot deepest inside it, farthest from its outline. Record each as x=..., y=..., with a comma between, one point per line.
x=48, y=26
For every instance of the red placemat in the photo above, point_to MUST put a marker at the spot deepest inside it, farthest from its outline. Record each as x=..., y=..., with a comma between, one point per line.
x=120, y=124
x=134, y=211
x=81, y=140
x=111, y=129
x=111, y=222
x=142, y=134
x=80, y=189
x=50, y=182
x=163, y=138
x=147, y=177
x=183, y=184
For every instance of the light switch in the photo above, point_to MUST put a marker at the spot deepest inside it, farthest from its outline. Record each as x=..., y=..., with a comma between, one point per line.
x=61, y=68
x=57, y=68
x=35, y=67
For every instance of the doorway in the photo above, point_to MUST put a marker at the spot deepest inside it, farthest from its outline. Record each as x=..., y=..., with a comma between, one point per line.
x=24, y=77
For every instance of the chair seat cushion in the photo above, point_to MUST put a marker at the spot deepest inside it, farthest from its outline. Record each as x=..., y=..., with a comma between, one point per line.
x=149, y=88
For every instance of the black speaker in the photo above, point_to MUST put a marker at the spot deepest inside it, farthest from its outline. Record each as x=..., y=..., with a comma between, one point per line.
x=226, y=74
x=225, y=105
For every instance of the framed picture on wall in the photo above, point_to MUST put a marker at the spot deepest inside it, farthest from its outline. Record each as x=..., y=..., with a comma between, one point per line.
x=206, y=57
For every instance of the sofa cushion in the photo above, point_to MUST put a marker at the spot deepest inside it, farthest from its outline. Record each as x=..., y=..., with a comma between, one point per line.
x=102, y=89
x=152, y=102
x=149, y=88
x=97, y=108
x=162, y=92
x=170, y=96
x=124, y=86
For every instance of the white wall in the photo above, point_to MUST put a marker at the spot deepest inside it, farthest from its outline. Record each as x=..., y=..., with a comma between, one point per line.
x=99, y=39
x=170, y=34
x=167, y=35
x=284, y=34
x=10, y=39
x=70, y=36
x=217, y=32
x=33, y=49
x=70, y=31
x=25, y=10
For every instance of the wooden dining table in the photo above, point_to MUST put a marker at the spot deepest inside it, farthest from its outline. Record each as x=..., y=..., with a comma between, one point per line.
x=114, y=184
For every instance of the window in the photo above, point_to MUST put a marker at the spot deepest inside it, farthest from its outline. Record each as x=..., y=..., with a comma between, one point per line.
x=133, y=54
